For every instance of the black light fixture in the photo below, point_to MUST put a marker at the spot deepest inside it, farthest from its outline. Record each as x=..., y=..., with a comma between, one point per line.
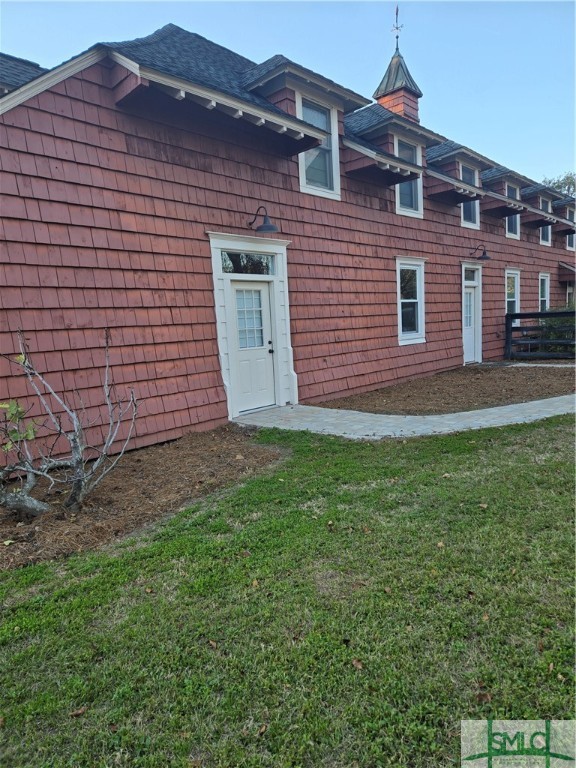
x=266, y=225
x=483, y=256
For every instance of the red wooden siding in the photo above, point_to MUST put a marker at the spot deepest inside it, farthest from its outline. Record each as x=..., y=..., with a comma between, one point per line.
x=104, y=217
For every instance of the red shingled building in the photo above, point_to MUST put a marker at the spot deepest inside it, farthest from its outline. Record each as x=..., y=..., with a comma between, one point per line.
x=129, y=175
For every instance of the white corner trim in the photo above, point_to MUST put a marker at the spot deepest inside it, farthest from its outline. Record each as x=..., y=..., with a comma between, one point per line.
x=49, y=79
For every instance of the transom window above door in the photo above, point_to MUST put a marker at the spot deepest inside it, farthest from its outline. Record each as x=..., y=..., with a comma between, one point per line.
x=240, y=263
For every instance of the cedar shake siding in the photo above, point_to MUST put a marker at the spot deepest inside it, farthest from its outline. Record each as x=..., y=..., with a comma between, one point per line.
x=105, y=213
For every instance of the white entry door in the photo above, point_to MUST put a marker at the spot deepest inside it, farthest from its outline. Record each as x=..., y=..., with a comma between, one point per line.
x=253, y=364
x=469, y=324
x=472, y=313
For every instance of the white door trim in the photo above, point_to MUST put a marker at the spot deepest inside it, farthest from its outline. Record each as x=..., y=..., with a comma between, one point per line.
x=477, y=285
x=285, y=379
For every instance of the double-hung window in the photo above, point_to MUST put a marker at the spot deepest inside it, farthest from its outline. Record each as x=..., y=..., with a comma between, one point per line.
x=544, y=292
x=409, y=193
x=513, y=292
x=410, y=292
x=570, y=238
x=319, y=167
x=513, y=222
x=545, y=232
x=470, y=210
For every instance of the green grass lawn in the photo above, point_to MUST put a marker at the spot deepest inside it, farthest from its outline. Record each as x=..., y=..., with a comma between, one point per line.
x=347, y=609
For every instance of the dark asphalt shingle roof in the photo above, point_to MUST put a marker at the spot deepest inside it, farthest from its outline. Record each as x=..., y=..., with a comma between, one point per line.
x=370, y=117
x=493, y=174
x=568, y=200
x=15, y=72
x=535, y=189
x=280, y=63
x=433, y=154
x=188, y=56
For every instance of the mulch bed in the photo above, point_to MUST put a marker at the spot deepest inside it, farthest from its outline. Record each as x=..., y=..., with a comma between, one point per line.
x=151, y=483
x=464, y=389
x=147, y=485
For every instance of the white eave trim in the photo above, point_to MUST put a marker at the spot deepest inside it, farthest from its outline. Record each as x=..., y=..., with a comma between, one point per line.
x=384, y=162
x=51, y=78
x=234, y=107
x=464, y=189
x=510, y=202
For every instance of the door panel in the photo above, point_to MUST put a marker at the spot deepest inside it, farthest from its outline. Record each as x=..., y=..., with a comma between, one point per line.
x=253, y=364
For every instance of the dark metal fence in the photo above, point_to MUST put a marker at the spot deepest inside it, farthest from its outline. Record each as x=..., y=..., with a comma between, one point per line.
x=550, y=336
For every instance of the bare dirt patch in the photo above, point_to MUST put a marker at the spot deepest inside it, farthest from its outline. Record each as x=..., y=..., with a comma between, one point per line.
x=464, y=389
x=151, y=483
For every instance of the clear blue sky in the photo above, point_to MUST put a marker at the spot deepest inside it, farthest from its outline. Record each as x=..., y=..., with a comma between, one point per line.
x=497, y=77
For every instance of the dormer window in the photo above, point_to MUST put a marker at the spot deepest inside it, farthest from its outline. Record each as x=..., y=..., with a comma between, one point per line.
x=545, y=232
x=409, y=193
x=319, y=167
x=470, y=211
x=513, y=222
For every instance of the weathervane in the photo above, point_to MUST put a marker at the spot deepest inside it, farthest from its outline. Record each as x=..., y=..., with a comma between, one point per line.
x=396, y=28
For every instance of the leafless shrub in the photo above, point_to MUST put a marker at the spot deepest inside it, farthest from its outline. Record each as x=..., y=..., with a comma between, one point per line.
x=34, y=449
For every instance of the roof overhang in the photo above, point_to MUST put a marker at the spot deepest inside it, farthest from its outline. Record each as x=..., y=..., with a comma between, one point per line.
x=564, y=227
x=450, y=191
x=402, y=127
x=377, y=167
x=536, y=218
x=500, y=206
x=301, y=135
x=465, y=154
x=50, y=79
x=566, y=272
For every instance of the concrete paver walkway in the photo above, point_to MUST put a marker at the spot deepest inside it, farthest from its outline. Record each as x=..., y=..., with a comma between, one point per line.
x=357, y=425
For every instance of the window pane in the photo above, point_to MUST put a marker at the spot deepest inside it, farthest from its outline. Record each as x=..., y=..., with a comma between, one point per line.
x=511, y=192
x=468, y=175
x=318, y=162
x=247, y=263
x=408, y=195
x=249, y=316
x=408, y=284
x=512, y=225
x=409, y=317
x=316, y=115
x=545, y=234
x=407, y=152
x=511, y=287
x=468, y=310
x=469, y=212
x=511, y=306
x=469, y=274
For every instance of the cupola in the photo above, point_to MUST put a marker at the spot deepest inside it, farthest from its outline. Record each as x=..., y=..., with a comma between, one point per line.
x=398, y=91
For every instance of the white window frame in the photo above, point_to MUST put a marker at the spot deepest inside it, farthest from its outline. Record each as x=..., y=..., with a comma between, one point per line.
x=544, y=277
x=516, y=217
x=515, y=273
x=569, y=295
x=417, y=337
x=417, y=213
x=570, y=246
x=335, y=192
x=547, y=228
x=476, y=203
